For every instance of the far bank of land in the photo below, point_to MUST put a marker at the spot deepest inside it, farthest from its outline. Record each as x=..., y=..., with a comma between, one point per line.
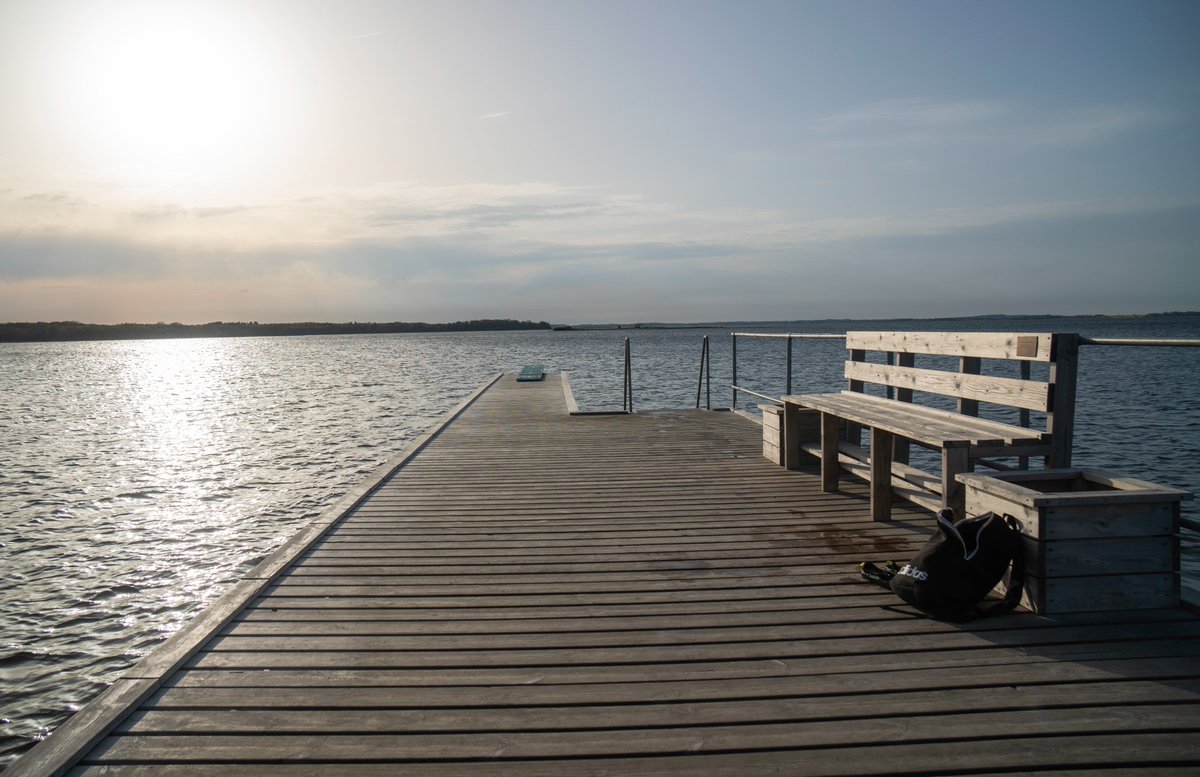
x=62, y=331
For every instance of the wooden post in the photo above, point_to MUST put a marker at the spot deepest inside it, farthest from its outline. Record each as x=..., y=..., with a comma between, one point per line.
x=1060, y=421
x=791, y=436
x=853, y=432
x=954, y=462
x=881, y=475
x=829, y=453
x=900, y=445
x=969, y=365
x=1023, y=415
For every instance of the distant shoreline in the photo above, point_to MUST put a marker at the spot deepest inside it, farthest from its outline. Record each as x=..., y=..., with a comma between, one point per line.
x=999, y=317
x=68, y=331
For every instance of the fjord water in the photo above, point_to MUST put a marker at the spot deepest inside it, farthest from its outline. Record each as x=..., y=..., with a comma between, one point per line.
x=139, y=479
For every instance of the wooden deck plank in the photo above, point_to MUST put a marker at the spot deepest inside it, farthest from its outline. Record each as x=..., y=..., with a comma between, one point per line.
x=537, y=594
x=331, y=715
x=1162, y=660
x=1088, y=759
x=796, y=638
x=1158, y=753
x=961, y=726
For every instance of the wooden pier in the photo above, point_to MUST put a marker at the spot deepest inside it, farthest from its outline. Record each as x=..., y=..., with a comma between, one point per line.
x=528, y=592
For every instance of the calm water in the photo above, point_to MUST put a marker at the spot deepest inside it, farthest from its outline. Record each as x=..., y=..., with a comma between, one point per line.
x=139, y=479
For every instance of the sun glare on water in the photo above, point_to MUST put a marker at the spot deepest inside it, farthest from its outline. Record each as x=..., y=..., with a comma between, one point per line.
x=170, y=91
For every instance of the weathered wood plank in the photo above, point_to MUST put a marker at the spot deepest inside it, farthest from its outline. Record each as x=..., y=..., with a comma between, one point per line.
x=1012, y=392
x=815, y=763
x=402, y=652
x=1165, y=660
x=794, y=636
x=987, y=345
x=927, y=425
x=351, y=718
x=965, y=727
x=1135, y=753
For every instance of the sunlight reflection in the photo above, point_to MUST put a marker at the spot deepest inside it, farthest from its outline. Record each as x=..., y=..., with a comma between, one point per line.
x=176, y=391
x=176, y=382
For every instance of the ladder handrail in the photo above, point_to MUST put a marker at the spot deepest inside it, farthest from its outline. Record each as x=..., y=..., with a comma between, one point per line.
x=705, y=376
x=627, y=398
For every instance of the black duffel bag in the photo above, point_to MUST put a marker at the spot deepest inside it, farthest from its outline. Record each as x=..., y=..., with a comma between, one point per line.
x=959, y=566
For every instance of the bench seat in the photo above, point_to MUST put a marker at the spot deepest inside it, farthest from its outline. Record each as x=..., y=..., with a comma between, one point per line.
x=930, y=426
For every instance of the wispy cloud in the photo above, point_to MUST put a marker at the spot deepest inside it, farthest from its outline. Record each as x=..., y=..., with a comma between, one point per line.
x=55, y=199
x=167, y=211
x=949, y=221
x=496, y=115
x=1087, y=126
x=498, y=220
x=404, y=250
x=916, y=122
x=914, y=113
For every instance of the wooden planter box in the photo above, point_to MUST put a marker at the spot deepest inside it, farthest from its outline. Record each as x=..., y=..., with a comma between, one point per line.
x=772, y=426
x=1094, y=540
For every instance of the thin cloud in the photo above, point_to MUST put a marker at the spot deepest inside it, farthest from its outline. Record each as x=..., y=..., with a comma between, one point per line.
x=497, y=115
x=915, y=112
x=162, y=211
x=1086, y=126
x=947, y=221
x=56, y=198
x=924, y=122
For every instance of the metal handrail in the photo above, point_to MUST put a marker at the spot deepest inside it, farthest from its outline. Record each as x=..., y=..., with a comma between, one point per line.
x=1158, y=343
x=705, y=377
x=1115, y=341
x=782, y=335
x=777, y=336
x=774, y=400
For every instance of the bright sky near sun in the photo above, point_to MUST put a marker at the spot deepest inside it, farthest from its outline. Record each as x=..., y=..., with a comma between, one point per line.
x=657, y=160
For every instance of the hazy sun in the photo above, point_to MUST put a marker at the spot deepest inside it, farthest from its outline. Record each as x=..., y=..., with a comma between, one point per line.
x=170, y=90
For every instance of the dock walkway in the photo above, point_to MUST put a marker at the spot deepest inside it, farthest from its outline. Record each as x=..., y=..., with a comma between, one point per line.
x=536, y=594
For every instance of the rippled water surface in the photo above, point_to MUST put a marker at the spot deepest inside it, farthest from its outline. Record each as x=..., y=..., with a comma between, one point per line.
x=139, y=479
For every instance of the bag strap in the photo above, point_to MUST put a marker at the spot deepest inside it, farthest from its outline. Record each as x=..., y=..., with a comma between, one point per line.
x=1016, y=581
x=875, y=574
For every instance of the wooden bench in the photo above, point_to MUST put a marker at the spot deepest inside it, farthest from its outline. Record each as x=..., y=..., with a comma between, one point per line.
x=960, y=435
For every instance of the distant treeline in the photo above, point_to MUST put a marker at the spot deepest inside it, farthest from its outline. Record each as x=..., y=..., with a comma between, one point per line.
x=54, y=331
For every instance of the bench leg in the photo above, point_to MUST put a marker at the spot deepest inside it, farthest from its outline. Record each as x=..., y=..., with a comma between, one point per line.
x=791, y=436
x=954, y=461
x=881, y=475
x=829, y=453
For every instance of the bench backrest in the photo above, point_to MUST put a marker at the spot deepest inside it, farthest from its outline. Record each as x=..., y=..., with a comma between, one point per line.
x=1055, y=396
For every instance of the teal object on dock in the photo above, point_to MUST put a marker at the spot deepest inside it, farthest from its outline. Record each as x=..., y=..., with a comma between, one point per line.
x=532, y=372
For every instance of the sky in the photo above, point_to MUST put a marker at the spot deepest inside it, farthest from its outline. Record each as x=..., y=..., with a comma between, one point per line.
x=581, y=162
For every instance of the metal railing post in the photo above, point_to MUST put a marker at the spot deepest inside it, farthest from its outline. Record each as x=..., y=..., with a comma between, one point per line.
x=700, y=377
x=707, y=375
x=627, y=399
x=789, y=366
x=733, y=405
